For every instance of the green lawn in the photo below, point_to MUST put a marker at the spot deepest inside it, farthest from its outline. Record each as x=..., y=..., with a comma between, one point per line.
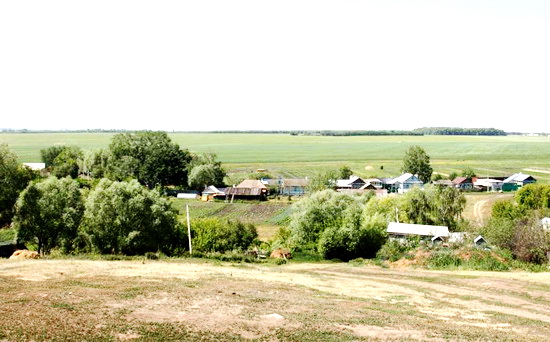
x=299, y=156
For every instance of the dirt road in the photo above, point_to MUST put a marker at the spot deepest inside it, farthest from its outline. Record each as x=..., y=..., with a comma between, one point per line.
x=192, y=299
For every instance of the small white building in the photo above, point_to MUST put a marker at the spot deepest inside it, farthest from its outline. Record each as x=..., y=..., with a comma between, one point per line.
x=489, y=184
x=35, y=166
x=545, y=223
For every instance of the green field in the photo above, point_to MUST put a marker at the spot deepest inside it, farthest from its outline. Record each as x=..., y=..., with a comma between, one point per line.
x=300, y=156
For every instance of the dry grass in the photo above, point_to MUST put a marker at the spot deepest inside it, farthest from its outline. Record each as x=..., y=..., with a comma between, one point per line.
x=196, y=300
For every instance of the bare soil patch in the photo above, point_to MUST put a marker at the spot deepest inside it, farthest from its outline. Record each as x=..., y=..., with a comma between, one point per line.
x=198, y=300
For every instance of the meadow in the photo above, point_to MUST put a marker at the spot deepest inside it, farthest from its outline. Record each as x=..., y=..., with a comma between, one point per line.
x=300, y=156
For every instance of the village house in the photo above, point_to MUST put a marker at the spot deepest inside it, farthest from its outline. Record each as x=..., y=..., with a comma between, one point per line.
x=404, y=183
x=353, y=182
x=294, y=186
x=248, y=189
x=516, y=181
x=463, y=183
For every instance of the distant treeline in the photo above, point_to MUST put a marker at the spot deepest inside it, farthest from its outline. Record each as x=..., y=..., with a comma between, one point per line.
x=355, y=133
x=97, y=130
x=458, y=131
x=415, y=132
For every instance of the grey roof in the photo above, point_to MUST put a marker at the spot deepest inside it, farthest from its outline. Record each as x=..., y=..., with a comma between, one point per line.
x=517, y=177
x=406, y=178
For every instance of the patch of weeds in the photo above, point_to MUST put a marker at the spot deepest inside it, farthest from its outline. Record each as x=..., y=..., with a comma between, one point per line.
x=466, y=297
x=172, y=332
x=313, y=334
x=65, y=306
x=519, y=321
x=78, y=283
x=130, y=293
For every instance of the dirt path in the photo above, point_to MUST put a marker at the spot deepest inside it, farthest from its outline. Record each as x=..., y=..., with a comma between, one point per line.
x=479, y=210
x=270, y=302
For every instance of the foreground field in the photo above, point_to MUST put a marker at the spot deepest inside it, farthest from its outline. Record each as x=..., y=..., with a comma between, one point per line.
x=197, y=300
x=300, y=156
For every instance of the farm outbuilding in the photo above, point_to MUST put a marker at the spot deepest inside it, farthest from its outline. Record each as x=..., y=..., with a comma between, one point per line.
x=402, y=230
x=35, y=166
x=211, y=192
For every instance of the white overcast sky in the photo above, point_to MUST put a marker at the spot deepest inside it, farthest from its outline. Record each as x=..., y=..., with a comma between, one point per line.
x=275, y=65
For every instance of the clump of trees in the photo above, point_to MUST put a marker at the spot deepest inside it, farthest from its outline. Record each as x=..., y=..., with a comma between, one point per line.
x=109, y=200
x=516, y=224
x=13, y=179
x=342, y=226
x=116, y=217
x=125, y=217
x=149, y=157
x=49, y=213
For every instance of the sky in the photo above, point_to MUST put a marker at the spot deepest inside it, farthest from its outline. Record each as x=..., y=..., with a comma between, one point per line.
x=275, y=65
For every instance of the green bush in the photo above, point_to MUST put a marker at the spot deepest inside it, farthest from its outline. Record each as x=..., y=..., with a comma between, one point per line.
x=443, y=259
x=216, y=235
x=394, y=250
x=125, y=217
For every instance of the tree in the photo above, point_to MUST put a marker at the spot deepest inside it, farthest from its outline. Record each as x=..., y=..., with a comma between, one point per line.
x=93, y=163
x=49, y=214
x=417, y=162
x=66, y=163
x=468, y=173
x=62, y=161
x=345, y=172
x=150, y=157
x=434, y=206
x=49, y=154
x=322, y=181
x=205, y=170
x=13, y=179
x=125, y=217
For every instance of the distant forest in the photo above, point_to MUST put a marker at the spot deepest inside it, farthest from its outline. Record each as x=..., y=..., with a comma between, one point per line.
x=459, y=131
x=415, y=132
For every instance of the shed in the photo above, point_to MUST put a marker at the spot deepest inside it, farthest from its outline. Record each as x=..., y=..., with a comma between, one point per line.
x=479, y=241
x=187, y=195
x=404, y=229
x=210, y=192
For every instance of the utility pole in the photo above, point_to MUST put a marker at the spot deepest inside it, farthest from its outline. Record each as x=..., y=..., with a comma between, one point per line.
x=189, y=230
